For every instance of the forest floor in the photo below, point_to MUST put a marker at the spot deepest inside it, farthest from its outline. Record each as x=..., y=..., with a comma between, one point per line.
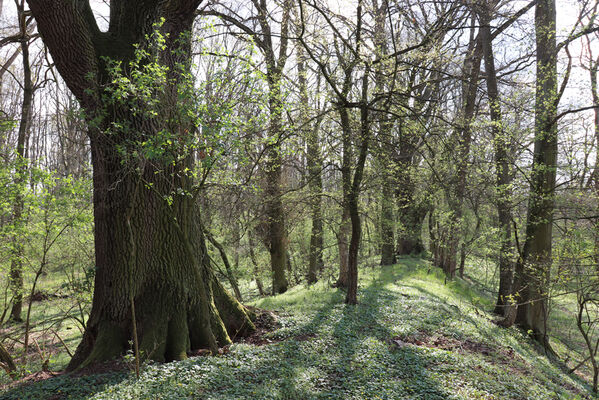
x=412, y=336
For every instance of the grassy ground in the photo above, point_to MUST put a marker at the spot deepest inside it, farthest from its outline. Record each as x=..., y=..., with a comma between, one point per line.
x=411, y=337
x=53, y=324
x=564, y=336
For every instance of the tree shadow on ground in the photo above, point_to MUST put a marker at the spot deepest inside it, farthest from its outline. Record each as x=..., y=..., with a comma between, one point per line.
x=344, y=352
x=65, y=387
x=525, y=348
x=335, y=351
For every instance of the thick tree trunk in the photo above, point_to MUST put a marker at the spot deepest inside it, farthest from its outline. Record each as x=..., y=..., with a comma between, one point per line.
x=536, y=266
x=275, y=212
x=151, y=259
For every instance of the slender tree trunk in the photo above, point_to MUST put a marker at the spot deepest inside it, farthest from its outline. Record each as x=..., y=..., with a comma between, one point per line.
x=536, y=265
x=343, y=245
x=236, y=242
x=316, y=262
x=354, y=196
x=276, y=221
x=256, y=269
x=227, y=264
x=503, y=172
x=585, y=327
x=387, y=219
x=593, y=71
x=277, y=235
x=464, y=137
x=433, y=236
x=354, y=246
x=462, y=260
x=275, y=212
x=411, y=214
x=16, y=265
x=345, y=226
x=314, y=165
x=385, y=124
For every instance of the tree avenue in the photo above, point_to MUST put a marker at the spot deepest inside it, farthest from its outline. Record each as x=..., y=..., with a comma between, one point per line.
x=153, y=283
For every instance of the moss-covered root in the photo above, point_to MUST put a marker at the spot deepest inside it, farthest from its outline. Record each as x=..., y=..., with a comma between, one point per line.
x=237, y=319
x=168, y=336
x=102, y=342
x=177, y=340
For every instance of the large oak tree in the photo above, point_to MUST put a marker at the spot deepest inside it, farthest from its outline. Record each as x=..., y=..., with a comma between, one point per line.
x=153, y=280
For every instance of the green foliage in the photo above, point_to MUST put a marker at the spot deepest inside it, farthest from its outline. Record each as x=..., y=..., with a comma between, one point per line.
x=57, y=243
x=325, y=349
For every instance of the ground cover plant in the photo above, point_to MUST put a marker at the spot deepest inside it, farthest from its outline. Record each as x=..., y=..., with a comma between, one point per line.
x=299, y=199
x=412, y=336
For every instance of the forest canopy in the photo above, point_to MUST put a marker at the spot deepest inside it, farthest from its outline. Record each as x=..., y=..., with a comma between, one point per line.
x=169, y=165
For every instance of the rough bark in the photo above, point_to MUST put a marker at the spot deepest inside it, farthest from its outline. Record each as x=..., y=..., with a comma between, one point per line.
x=534, y=269
x=149, y=253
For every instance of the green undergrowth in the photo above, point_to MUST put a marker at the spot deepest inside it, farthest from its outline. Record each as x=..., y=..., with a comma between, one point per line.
x=412, y=336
